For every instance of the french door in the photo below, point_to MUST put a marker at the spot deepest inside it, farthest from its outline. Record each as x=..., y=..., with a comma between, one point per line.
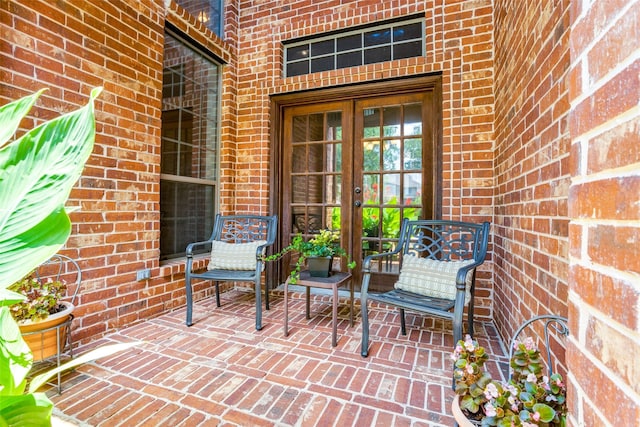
x=358, y=166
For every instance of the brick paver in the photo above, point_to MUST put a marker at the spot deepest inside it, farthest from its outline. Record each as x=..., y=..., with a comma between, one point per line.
x=222, y=372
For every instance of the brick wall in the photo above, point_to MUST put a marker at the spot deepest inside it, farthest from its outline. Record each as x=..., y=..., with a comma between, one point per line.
x=531, y=160
x=458, y=44
x=604, y=206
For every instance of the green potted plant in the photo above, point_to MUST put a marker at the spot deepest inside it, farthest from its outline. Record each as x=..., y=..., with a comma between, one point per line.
x=321, y=248
x=38, y=315
x=528, y=399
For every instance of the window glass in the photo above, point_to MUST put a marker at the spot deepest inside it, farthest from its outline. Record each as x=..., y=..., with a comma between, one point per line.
x=209, y=12
x=189, y=147
x=350, y=48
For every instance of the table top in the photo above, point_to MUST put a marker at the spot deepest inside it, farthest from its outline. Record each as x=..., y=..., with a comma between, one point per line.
x=336, y=277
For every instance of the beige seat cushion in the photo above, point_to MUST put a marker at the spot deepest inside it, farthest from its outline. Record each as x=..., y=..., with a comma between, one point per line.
x=431, y=277
x=234, y=256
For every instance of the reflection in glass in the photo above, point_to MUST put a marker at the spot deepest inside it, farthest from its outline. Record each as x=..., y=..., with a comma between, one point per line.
x=314, y=189
x=413, y=119
x=413, y=153
x=333, y=192
x=370, y=222
x=333, y=213
x=377, y=54
x=371, y=156
x=412, y=188
x=371, y=123
x=315, y=163
x=370, y=191
x=299, y=133
x=298, y=163
x=316, y=127
x=391, y=155
x=338, y=157
x=391, y=223
x=334, y=126
x=391, y=121
x=299, y=189
x=391, y=188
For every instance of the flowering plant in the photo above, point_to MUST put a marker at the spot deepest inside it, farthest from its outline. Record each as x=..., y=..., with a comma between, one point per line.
x=325, y=244
x=42, y=298
x=529, y=398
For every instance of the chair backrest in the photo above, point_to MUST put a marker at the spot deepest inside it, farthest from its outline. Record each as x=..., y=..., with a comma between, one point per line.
x=245, y=228
x=64, y=269
x=444, y=240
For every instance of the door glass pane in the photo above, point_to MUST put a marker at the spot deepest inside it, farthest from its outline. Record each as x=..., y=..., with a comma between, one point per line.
x=299, y=189
x=371, y=123
x=413, y=119
x=371, y=156
x=315, y=162
x=391, y=124
x=370, y=192
x=334, y=126
x=337, y=157
x=314, y=189
x=392, y=155
x=316, y=128
x=299, y=158
x=391, y=188
x=299, y=126
x=333, y=192
x=391, y=221
x=370, y=222
x=413, y=153
x=334, y=214
x=412, y=188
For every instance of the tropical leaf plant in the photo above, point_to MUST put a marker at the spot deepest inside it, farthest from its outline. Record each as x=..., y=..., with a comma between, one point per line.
x=37, y=173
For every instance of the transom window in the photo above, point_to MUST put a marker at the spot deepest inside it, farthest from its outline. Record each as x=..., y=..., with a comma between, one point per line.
x=366, y=45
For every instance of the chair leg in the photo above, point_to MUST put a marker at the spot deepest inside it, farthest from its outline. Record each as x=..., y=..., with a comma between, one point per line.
x=258, y=305
x=403, y=324
x=217, y=294
x=365, y=328
x=187, y=284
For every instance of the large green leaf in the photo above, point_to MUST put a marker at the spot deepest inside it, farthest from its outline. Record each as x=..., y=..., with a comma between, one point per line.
x=37, y=172
x=15, y=356
x=28, y=410
x=12, y=113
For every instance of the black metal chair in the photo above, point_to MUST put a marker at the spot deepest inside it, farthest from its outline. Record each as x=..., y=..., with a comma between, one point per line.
x=237, y=244
x=435, y=261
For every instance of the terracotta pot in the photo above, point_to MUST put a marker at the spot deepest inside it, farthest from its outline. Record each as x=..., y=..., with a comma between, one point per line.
x=320, y=266
x=459, y=416
x=41, y=336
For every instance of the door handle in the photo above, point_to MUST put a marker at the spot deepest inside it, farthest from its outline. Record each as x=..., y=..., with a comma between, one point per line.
x=358, y=203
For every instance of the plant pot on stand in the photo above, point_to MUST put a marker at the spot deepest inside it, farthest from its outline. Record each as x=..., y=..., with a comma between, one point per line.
x=48, y=337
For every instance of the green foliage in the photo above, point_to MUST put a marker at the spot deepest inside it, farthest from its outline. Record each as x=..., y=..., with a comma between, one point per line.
x=325, y=244
x=529, y=398
x=42, y=298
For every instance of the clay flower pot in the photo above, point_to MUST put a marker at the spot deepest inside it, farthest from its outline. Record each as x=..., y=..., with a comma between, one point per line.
x=459, y=416
x=47, y=337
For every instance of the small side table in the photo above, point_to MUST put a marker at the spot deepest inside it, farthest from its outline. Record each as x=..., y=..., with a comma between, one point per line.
x=332, y=282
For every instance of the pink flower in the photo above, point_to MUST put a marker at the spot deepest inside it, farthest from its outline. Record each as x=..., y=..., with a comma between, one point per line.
x=470, y=369
x=490, y=410
x=531, y=378
x=468, y=343
x=491, y=391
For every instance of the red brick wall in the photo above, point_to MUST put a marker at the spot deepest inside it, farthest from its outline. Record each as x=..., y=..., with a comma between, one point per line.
x=604, y=206
x=531, y=160
x=458, y=44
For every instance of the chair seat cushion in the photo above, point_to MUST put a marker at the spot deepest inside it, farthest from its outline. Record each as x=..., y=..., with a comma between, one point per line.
x=234, y=256
x=432, y=278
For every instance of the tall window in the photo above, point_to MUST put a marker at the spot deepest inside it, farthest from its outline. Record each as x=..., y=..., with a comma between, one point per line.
x=189, y=168
x=209, y=12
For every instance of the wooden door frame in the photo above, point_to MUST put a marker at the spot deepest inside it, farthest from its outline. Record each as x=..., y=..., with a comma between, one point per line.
x=431, y=82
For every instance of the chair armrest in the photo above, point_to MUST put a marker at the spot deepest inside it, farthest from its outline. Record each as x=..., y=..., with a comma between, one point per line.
x=191, y=246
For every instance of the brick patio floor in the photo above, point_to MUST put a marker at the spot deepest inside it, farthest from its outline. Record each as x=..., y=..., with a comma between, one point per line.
x=221, y=371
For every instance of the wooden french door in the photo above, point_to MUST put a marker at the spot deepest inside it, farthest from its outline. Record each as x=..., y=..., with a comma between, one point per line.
x=358, y=166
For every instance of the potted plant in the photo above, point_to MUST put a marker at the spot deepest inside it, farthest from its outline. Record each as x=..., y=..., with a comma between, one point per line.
x=320, y=249
x=41, y=314
x=528, y=399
